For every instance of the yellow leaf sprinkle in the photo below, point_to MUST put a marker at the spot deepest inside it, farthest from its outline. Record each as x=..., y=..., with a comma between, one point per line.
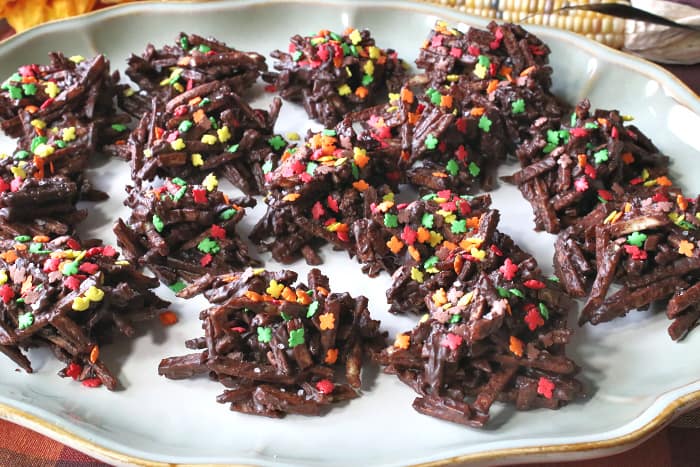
x=224, y=134
x=209, y=139
x=197, y=160
x=210, y=182
x=178, y=145
x=68, y=134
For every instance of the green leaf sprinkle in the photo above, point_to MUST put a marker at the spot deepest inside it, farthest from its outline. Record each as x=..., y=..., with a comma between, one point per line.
x=391, y=220
x=431, y=142
x=25, y=320
x=452, y=167
x=158, y=223
x=485, y=123
x=313, y=308
x=264, y=334
x=177, y=286
x=207, y=245
x=637, y=239
x=296, y=337
x=518, y=107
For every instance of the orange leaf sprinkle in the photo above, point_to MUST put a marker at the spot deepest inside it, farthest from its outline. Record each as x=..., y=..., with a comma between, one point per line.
x=331, y=356
x=446, y=101
x=195, y=101
x=20, y=247
x=681, y=202
x=39, y=162
x=439, y=297
x=322, y=291
x=26, y=285
x=40, y=239
x=230, y=277
x=477, y=111
x=289, y=295
x=471, y=242
x=327, y=321
x=402, y=341
x=664, y=181
x=291, y=197
x=602, y=121
x=303, y=297
x=423, y=234
x=31, y=109
x=686, y=248
x=199, y=115
x=10, y=256
x=528, y=70
x=493, y=84
x=360, y=157
x=627, y=158
x=361, y=92
x=458, y=264
x=360, y=185
x=439, y=174
x=449, y=245
x=516, y=346
x=94, y=354
x=394, y=244
x=407, y=95
x=253, y=296
x=168, y=318
x=473, y=222
x=413, y=251
x=582, y=160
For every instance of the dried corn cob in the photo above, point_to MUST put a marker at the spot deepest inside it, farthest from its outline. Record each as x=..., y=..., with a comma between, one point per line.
x=602, y=28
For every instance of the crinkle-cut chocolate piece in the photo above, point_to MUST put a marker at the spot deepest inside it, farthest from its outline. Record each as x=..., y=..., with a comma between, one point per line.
x=497, y=332
x=317, y=192
x=183, y=231
x=208, y=128
x=501, y=50
x=569, y=168
x=647, y=241
x=278, y=347
x=74, y=85
x=193, y=60
x=46, y=205
x=332, y=74
x=71, y=298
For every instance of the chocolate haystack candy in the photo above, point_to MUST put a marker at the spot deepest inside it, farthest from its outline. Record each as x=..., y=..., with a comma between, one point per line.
x=455, y=137
x=496, y=331
x=647, y=241
x=502, y=49
x=279, y=348
x=316, y=193
x=332, y=74
x=165, y=73
x=74, y=85
x=41, y=181
x=208, y=128
x=71, y=298
x=423, y=236
x=571, y=167
x=183, y=231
